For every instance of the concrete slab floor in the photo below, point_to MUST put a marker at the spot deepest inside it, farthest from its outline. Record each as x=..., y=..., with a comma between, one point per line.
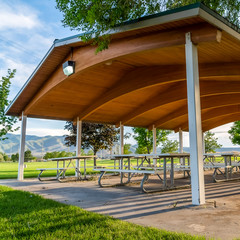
x=171, y=210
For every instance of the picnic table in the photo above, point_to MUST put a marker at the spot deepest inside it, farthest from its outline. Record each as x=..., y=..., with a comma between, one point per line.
x=67, y=163
x=125, y=167
x=224, y=168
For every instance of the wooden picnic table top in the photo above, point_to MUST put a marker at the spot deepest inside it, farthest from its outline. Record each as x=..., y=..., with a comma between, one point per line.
x=70, y=158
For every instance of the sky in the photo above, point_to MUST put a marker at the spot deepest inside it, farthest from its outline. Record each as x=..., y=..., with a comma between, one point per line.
x=27, y=30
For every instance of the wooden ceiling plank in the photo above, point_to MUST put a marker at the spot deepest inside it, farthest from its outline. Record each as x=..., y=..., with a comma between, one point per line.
x=85, y=57
x=177, y=93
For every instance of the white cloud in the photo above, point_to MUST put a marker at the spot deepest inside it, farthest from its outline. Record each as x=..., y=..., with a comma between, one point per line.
x=44, y=132
x=17, y=16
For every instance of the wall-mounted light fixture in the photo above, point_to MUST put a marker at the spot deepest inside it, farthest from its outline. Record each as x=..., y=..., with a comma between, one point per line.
x=69, y=68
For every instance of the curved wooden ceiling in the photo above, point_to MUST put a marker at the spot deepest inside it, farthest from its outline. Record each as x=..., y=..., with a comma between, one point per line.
x=141, y=81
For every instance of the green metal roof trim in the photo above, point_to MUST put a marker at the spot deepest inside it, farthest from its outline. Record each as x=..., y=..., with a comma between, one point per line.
x=168, y=12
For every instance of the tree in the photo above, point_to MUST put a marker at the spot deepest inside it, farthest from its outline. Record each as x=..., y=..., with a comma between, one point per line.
x=169, y=146
x=127, y=147
x=4, y=157
x=28, y=156
x=15, y=157
x=235, y=133
x=6, y=122
x=228, y=9
x=97, y=18
x=94, y=136
x=211, y=143
x=57, y=154
x=144, y=138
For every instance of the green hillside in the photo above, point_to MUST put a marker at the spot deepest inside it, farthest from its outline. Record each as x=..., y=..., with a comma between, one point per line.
x=37, y=145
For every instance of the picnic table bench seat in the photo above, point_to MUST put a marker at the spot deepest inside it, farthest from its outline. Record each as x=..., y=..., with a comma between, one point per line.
x=60, y=172
x=70, y=165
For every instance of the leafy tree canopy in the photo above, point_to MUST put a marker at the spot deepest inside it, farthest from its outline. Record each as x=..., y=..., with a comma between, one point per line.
x=97, y=18
x=58, y=154
x=94, y=136
x=169, y=146
x=211, y=143
x=15, y=157
x=235, y=133
x=6, y=123
x=127, y=147
x=4, y=157
x=144, y=138
x=27, y=156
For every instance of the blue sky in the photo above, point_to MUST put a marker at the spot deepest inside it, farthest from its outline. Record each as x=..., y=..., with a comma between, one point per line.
x=28, y=29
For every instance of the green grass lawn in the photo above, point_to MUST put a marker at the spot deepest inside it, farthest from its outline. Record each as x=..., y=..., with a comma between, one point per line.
x=10, y=169
x=25, y=215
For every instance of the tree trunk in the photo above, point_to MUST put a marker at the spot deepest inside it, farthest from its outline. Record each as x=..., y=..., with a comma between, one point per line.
x=94, y=159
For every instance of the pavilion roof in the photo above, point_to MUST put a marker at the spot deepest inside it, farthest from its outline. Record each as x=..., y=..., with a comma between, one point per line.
x=141, y=79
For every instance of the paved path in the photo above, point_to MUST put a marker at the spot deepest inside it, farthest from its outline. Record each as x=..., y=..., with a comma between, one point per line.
x=167, y=210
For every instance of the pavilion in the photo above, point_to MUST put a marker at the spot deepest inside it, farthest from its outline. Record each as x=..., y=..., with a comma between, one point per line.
x=177, y=70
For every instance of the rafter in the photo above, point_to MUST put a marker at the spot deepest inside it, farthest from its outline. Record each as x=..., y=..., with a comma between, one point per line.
x=230, y=87
x=178, y=92
x=86, y=58
x=207, y=103
x=215, y=113
x=134, y=81
x=208, y=125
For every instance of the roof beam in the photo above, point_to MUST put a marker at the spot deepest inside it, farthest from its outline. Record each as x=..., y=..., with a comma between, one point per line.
x=134, y=81
x=85, y=57
x=215, y=113
x=207, y=103
x=220, y=121
x=178, y=92
x=156, y=76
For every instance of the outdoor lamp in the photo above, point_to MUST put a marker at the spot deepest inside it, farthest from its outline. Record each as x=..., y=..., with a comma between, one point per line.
x=69, y=67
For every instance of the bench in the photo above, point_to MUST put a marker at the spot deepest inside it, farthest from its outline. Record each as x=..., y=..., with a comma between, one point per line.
x=60, y=172
x=144, y=170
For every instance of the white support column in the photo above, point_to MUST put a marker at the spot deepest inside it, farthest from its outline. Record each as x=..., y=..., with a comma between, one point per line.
x=194, y=122
x=78, y=144
x=181, y=145
x=154, y=140
x=154, y=143
x=203, y=143
x=121, y=139
x=180, y=140
x=22, y=148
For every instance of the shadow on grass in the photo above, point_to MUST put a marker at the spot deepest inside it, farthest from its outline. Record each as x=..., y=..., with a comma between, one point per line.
x=14, y=202
x=27, y=216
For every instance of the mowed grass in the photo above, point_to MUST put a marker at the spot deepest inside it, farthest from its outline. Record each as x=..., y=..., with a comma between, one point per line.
x=25, y=215
x=10, y=169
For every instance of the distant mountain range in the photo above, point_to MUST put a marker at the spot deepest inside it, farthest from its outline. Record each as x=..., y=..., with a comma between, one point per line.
x=40, y=145
x=37, y=145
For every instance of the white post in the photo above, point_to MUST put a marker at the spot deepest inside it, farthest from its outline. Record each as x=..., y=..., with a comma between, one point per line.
x=154, y=140
x=181, y=145
x=203, y=143
x=22, y=148
x=154, y=144
x=78, y=145
x=180, y=140
x=121, y=139
x=194, y=122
